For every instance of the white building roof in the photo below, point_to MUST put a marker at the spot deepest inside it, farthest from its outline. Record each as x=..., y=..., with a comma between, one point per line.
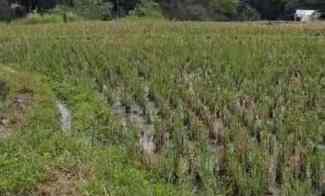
x=303, y=13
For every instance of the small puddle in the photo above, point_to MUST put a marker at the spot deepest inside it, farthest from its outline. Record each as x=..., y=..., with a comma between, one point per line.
x=65, y=116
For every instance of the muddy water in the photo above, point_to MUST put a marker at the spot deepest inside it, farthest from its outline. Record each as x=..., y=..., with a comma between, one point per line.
x=139, y=117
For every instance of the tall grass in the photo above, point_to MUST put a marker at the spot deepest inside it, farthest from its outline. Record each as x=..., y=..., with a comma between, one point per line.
x=263, y=82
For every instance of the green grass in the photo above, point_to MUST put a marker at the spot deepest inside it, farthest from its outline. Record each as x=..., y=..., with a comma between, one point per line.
x=193, y=71
x=29, y=154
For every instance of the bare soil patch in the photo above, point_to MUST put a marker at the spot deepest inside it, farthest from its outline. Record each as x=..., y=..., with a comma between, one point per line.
x=13, y=114
x=63, y=182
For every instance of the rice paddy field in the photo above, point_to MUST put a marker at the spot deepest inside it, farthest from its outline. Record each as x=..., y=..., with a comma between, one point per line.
x=162, y=108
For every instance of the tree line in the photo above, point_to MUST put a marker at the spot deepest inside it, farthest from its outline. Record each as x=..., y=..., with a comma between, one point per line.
x=177, y=9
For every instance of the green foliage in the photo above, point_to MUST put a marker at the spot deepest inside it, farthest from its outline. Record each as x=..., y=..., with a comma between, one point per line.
x=147, y=8
x=227, y=7
x=54, y=17
x=215, y=10
x=5, y=12
x=91, y=9
x=247, y=13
